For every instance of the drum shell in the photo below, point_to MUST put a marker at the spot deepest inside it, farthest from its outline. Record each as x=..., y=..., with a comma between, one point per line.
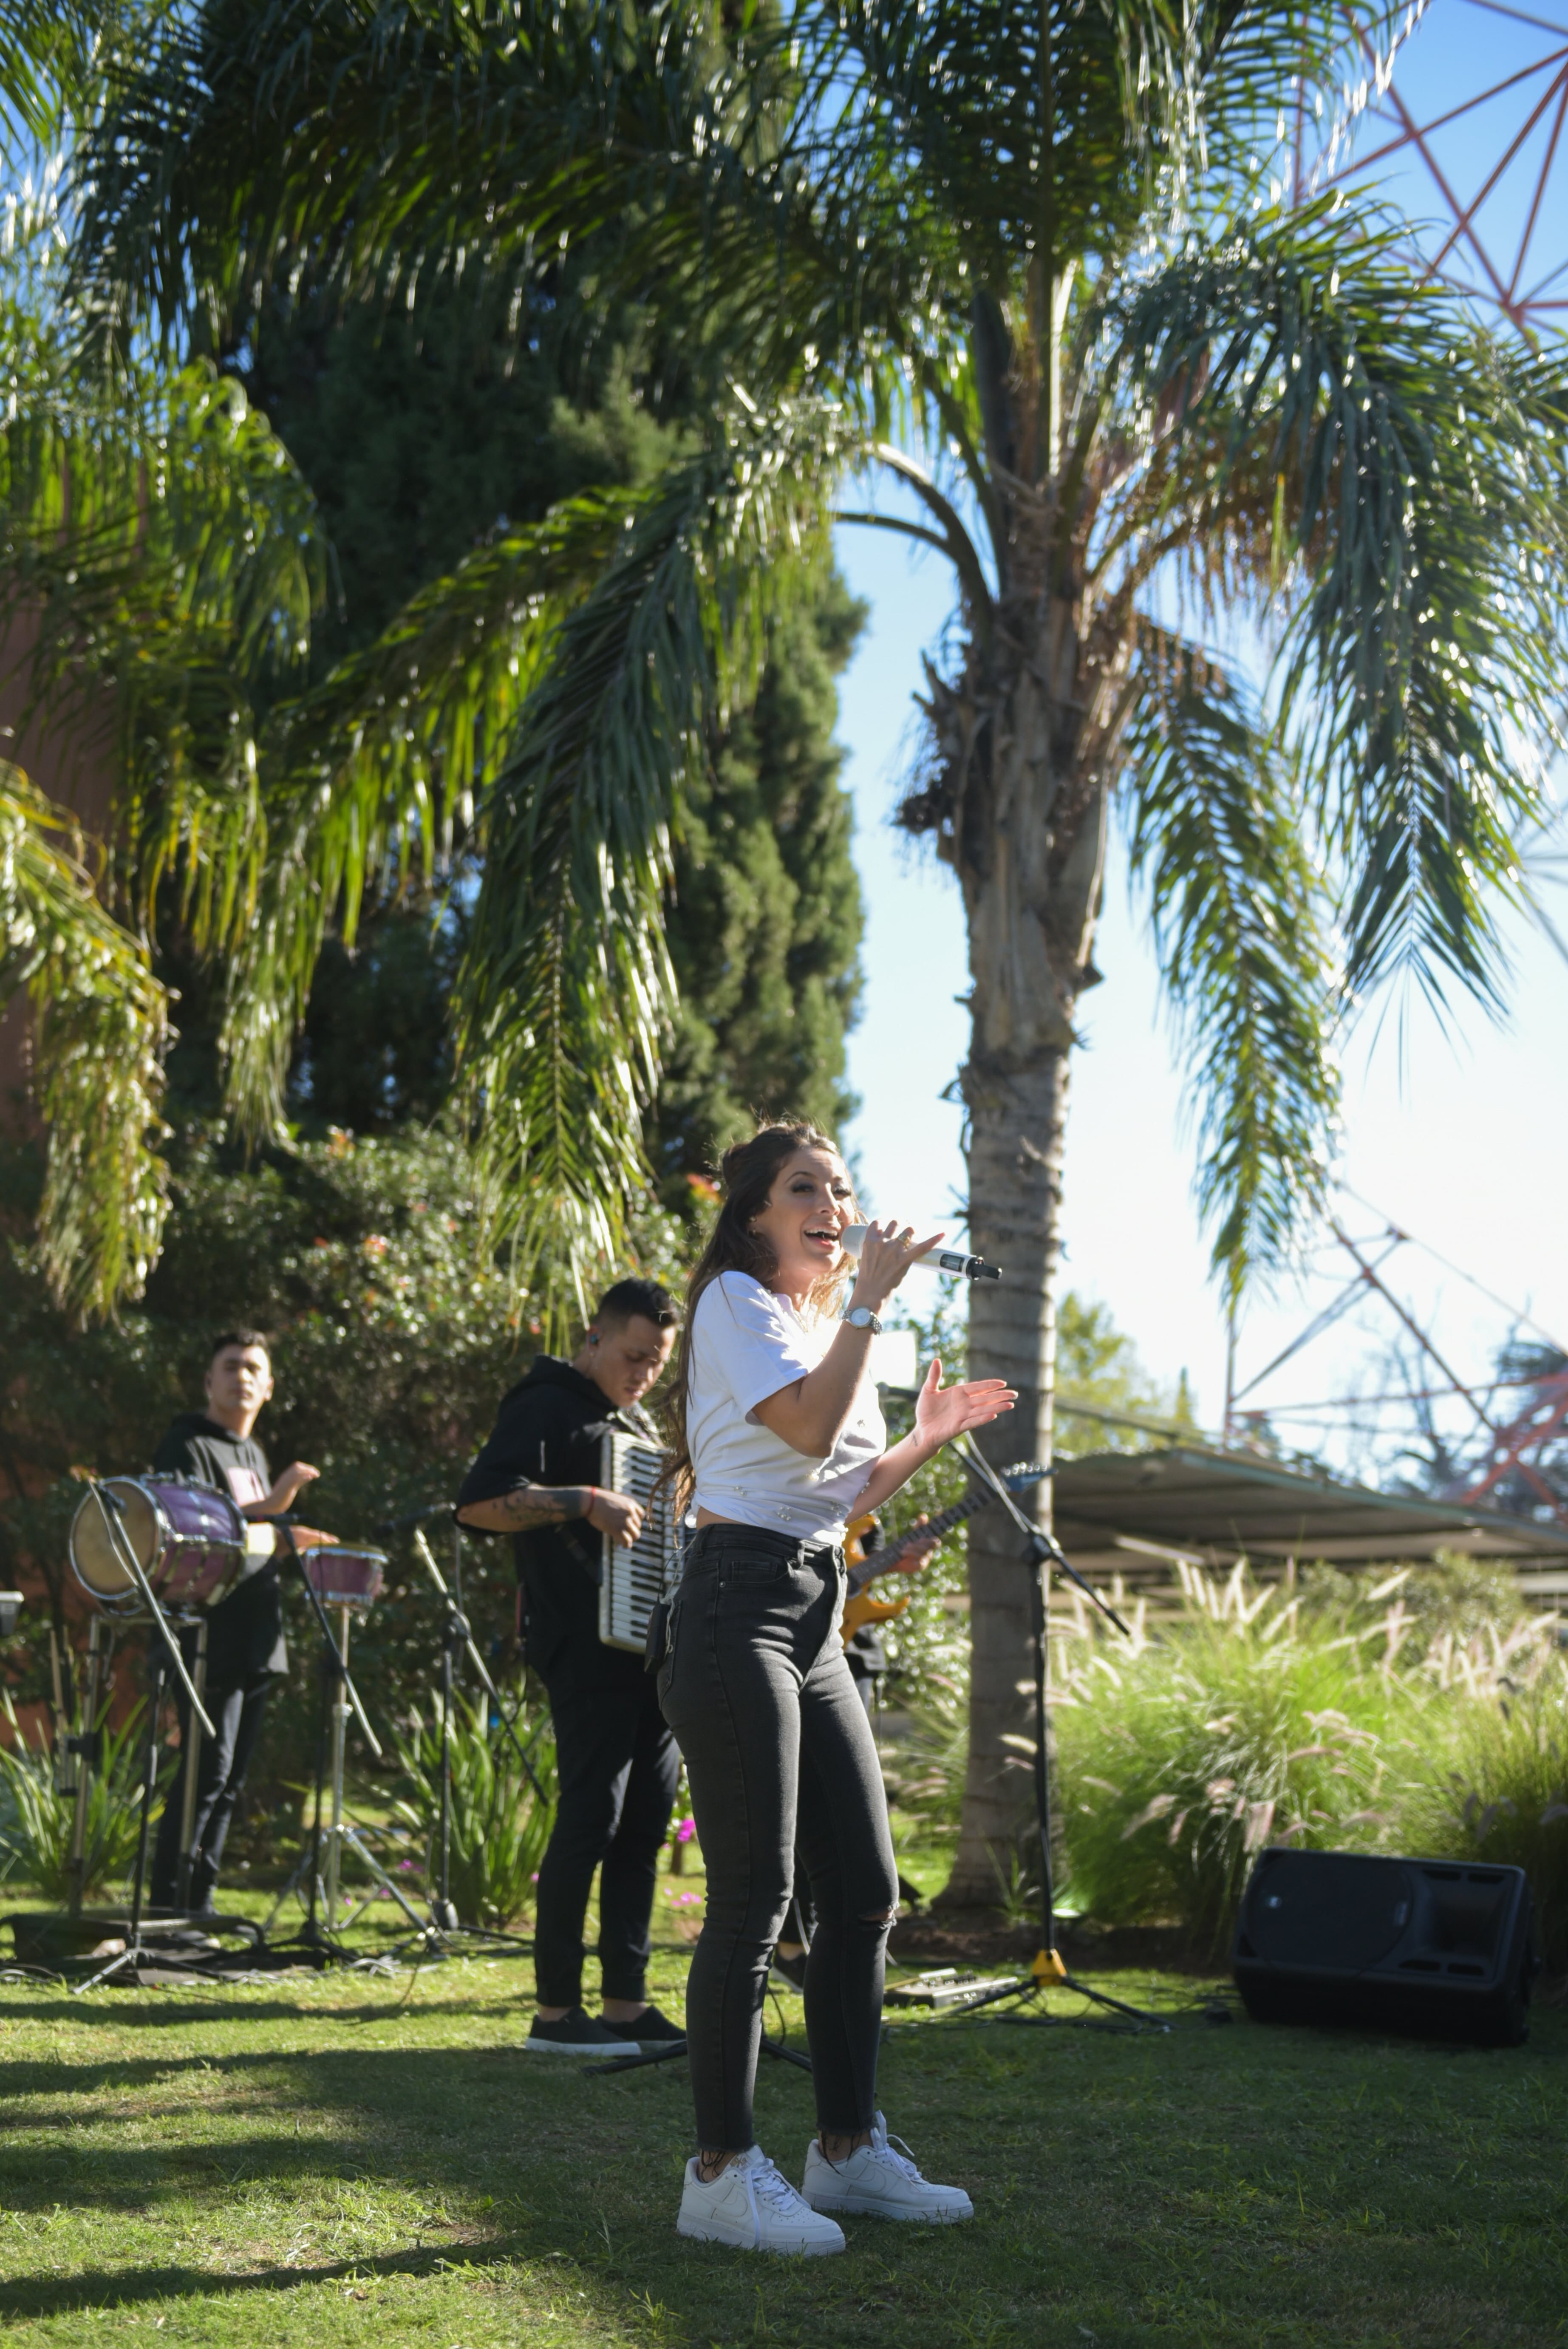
x=189, y=1539
x=341, y=1576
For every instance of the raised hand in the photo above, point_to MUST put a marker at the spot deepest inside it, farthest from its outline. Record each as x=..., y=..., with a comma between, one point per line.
x=290, y=1481
x=942, y=1413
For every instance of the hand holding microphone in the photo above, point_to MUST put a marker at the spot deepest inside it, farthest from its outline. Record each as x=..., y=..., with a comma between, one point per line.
x=885, y=1254
x=857, y=1239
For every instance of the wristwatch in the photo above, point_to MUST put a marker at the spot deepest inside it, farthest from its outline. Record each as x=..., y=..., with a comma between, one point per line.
x=860, y=1317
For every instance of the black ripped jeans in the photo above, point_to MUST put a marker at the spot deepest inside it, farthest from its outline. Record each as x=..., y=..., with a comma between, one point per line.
x=779, y=1755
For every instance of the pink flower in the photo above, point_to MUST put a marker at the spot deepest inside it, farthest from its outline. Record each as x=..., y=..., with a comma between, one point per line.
x=686, y=1831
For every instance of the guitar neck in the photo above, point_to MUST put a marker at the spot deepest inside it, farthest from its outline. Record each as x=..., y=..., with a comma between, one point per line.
x=881, y=1561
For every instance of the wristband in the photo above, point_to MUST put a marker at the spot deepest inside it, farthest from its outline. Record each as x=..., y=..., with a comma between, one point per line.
x=592, y=1495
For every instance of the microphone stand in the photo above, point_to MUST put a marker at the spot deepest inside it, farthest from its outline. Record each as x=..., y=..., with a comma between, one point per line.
x=461, y=1637
x=457, y=1639
x=286, y=1527
x=1043, y=1550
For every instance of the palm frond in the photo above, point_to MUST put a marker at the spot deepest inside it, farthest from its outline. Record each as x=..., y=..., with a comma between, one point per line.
x=375, y=773
x=100, y=1025
x=1241, y=919
x=567, y=988
x=54, y=57
x=156, y=541
x=547, y=700
x=1396, y=481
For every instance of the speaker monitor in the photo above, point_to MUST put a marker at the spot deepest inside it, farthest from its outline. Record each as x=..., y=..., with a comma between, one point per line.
x=1438, y=1947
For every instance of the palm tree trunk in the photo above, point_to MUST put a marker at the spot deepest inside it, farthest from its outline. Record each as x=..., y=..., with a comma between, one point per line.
x=1017, y=1121
x=1028, y=837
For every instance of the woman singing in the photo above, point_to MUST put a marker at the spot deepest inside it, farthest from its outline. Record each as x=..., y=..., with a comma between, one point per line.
x=777, y=1428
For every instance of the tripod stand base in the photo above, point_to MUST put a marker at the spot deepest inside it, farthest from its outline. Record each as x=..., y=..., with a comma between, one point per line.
x=59, y=1941
x=1048, y=1966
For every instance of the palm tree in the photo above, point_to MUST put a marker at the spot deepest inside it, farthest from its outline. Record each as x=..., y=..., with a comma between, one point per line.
x=158, y=567
x=1038, y=244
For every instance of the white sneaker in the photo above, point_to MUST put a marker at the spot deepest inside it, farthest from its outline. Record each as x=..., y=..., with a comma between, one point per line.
x=753, y=2205
x=876, y=2182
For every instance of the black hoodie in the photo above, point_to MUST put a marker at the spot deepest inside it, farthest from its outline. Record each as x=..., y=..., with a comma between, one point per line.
x=548, y=1431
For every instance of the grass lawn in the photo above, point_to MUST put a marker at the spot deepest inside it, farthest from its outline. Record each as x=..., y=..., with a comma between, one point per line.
x=336, y=2159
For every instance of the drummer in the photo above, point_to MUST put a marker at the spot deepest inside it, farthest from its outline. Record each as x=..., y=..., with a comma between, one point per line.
x=245, y=1650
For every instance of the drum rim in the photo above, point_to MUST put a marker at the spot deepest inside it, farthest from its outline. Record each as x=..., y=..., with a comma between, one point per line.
x=130, y=1595
x=165, y=1535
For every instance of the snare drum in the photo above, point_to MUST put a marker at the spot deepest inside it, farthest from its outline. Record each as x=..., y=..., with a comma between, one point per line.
x=189, y=1540
x=344, y=1577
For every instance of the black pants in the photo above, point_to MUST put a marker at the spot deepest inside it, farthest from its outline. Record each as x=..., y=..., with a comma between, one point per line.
x=618, y=1772
x=778, y=1751
x=800, y=1924
x=236, y=1714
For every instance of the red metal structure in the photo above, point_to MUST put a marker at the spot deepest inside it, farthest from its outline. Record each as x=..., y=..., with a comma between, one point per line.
x=1464, y=119
x=1545, y=1417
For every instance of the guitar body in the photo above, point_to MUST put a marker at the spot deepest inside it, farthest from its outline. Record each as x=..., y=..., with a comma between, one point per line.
x=861, y=1611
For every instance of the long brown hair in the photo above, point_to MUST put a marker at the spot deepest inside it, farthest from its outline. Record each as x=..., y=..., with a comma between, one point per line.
x=746, y=1173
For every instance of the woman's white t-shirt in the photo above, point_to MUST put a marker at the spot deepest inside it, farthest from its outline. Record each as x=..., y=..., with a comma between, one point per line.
x=746, y=1344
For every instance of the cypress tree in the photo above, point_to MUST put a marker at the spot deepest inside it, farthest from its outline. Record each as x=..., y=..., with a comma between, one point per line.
x=420, y=439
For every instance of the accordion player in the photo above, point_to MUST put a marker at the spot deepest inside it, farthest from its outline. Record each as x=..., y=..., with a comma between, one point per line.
x=583, y=1544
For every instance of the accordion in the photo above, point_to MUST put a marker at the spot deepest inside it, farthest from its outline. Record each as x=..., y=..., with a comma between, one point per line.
x=632, y=1581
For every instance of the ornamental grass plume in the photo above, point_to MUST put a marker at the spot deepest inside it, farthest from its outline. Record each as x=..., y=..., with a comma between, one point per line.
x=1182, y=1754
x=1495, y=1788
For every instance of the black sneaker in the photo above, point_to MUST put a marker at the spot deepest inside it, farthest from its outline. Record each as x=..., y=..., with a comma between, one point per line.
x=577, y=2033
x=792, y=1969
x=653, y=2029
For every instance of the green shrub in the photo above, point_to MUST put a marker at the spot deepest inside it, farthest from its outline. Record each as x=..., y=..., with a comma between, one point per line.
x=1496, y=1786
x=925, y=1771
x=36, y=1819
x=1180, y=1756
x=498, y=1824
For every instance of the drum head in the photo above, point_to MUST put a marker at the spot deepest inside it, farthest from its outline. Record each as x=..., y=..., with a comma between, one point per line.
x=344, y=1577
x=95, y=1554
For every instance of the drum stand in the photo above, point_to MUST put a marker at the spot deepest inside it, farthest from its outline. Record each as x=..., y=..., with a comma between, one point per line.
x=339, y=1697
x=81, y=1754
x=162, y=1650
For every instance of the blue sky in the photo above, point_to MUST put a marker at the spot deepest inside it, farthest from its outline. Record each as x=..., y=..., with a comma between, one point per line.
x=1460, y=1134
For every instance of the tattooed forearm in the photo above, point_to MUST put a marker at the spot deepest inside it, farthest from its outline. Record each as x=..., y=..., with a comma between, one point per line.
x=528, y=1507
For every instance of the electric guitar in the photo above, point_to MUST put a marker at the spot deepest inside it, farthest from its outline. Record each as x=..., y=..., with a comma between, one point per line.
x=864, y=1566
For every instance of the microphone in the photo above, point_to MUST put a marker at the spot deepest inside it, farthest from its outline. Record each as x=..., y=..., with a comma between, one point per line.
x=971, y=1268
x=413, y=1518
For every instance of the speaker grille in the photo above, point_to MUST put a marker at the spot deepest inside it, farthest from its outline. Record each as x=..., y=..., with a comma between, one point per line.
x=1341, y=1912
